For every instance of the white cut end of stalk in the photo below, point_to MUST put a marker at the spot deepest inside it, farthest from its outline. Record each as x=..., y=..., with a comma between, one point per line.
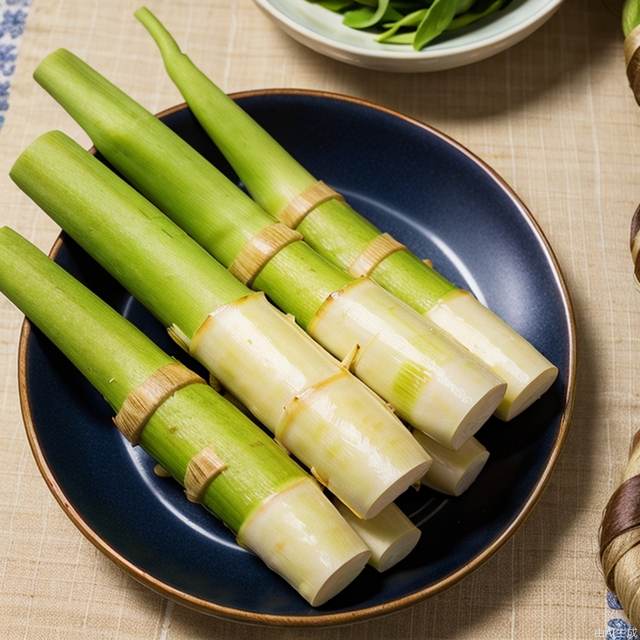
x=300, y=535
x=527, y=372
x=396, y=489
x=250, y=335
x=319, y=412
x=390, y=536
x=539, y=385
x=487, y=395
x=452, y=472
x=435, y=384
x=356, y=447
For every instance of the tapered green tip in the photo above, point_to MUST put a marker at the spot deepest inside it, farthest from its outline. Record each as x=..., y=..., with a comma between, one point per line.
x=167, y=45
x=140, y=12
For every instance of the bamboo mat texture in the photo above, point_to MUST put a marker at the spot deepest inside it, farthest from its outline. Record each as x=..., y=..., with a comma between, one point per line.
x=554, y=116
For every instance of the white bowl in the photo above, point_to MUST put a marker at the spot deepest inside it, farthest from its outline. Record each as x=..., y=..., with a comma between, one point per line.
x=323, y=31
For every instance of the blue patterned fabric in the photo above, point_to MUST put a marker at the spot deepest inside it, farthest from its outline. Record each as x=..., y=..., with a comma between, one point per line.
x=13, y=20
x=618, y=628
x=612, y=601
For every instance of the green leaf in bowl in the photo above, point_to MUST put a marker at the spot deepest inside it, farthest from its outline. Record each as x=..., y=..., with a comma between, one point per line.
x=438, y=17
x=366, y=17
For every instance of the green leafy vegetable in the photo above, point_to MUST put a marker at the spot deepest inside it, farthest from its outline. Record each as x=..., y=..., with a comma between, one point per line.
x=410, y=20
x=402, y=38
x=366, y=17
x=470, y=17
x=464, y=6
x=417, y=23
x=436, y=20
x=410, y=5
x=335, y=5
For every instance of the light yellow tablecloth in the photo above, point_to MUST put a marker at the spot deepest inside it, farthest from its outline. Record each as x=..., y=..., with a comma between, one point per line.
x=554, y=117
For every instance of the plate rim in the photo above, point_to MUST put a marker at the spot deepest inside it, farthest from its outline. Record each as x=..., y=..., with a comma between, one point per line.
x=345, y=617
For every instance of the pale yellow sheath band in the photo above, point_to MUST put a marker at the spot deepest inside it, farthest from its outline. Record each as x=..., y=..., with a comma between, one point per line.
x=258, y=250
x=201, y=471
x=632, y=59
x=142, y=402
x=375, y=252
x=296, y=210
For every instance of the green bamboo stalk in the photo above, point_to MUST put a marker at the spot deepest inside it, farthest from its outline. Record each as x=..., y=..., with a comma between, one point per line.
x=157, y=261
x=340, y=234
x=297, y=279
x=261, y=492
x=274, y=183
x=70, y=81
x=66, y=311
x=116, y=357
x=275, y=368
x=443, y=390
x=390, y=536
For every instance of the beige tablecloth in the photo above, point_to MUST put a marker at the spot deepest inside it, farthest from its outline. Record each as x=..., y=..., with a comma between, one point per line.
x=554, y=117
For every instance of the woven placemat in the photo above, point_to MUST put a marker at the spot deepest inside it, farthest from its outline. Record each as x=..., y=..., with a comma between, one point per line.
x=555, y=117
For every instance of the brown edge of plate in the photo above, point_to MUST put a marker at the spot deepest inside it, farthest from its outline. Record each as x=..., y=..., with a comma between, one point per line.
x=346, y=617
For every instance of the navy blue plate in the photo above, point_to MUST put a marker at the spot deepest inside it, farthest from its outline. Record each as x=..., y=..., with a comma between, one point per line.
x=441, y=201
